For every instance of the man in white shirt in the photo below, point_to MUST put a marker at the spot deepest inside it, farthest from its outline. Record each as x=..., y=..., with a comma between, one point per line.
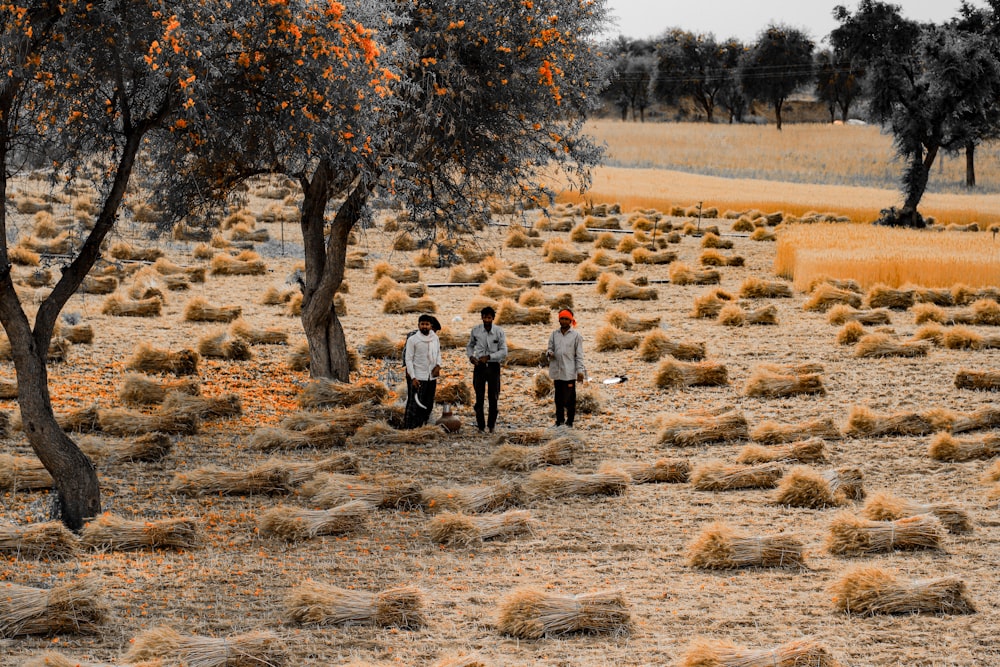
x=565, y=353
x=487, y=349
x=422, y=356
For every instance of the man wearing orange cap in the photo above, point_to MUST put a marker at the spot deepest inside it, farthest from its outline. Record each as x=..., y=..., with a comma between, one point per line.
x=565, y=354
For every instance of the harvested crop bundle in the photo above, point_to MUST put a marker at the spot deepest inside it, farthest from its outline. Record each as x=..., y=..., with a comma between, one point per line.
x=383, y=491
x=758, y=288
x=805, y=487
x=721, y=476
x=71, y=607
x=542, y=385
x=981, y=380
x=682, y=274
x=121, y=307
x=464, y=274
x=945, y=447
x=112, y=533
x=673, y=373
x=322, y=604
x=122, y=250
x=656, y=344
x=272, y=477
x=622, y=320
x=148, y=359
x=23, y=473
x=295, y=523
x=199, y=310
x=692, y=430
x=863, y=422
x=842, y=314
x=517, y=356
x=322, y=393
x=886, y=507
x=850, y=333
x=472, y=499
x=937, y=297
x=99, y=284
x=763, y=234
x=242, y=330
x=511, y=313
x=960, y=422
x=385, y=285
x=465, y=530
x=219, y=345
x=620, y=289
x=720, y=547
x=380, y=433
x=203, y=407
x=557, y=483
x=453, y=393
x=872, y=590
x=852, y=536
x=826, y=296
x=123, y=422
x=647, y=256
x=50, y=539
x=397, y=302
x=963, y=338
x=806, y=451
x=883, y=296
x=773, y=433
x=528, y=613
x=673, y=471
x=399, y=275
x=798, y=653
x=768, y=384
x=710, y=305
x=246, y=650
x=245, y=264
x=610, y=338
x=147, y=447
x=590, y=270
x=520, y=458
x=562, y=253
x=883, y=345
x=380, y=346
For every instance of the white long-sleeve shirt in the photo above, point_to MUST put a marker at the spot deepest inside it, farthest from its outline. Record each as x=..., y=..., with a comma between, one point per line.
x=492, y=343
x=565, y=354
x=421, y=355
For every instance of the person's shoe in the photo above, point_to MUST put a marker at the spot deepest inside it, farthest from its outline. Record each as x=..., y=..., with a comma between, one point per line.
x=492, y=429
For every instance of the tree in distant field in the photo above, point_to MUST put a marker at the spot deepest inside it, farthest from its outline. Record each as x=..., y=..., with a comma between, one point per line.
x=778, y=63
x=838, y=82
x=693, y=66
x=632, y=67
x=730, y=95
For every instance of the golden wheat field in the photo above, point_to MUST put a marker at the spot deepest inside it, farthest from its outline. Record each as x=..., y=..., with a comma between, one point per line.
x=746, y=497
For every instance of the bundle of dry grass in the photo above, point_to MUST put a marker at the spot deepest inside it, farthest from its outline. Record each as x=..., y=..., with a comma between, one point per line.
x=610, y=339
x=380, y=346
x=647, y=256
x=589, y=399
x=274, y=476
x=851, y=333
x=825, y=296
x=937, y=297
x=528, y=613
x=494, y=290
x=560, y=301
x=380, y=433
x=562, y=253
x=99, y=285
x=721, y=476
x=842, y=314
x=886, y=507
x=140, y=389
x=682, y=274
x=670, y=471
x=203, y=407
x=123, y=422
x=113, y=533
x=463, y=274
x=219, y=345
x=322, y=604
x=673, y=373
x=518, y=238
x=511, y=313
x=963, y=338
x=472, y=499
x=23, y=473
x=275, y=297
x=532, y=298
x=656, y=344
x=54, y=659
x=720, y=547
x=383, y=491
x=397, y=302
x=245, y=264
x=243, y=330
x=700, y=429
x=710, y=305
x=454, y=393
x=542, y=385
x=324, y=393
x=199, y=310
x=805, y=487
x=521, y=458
x=298, y=357
x=148, y=359
x=557, y=483
x=119, y=306
x=126, y=251
x=247, y=650
x=20, y=256
x=399, y=275
x=882, y=345
x=979, y=380
x=873, y=590
x=333, y=432
x=798, y=653
x=773, y=433
x=78, y=334
x=927, y=312
x=840, y=283
x=758, y=288
x=580, y=234
x=589, y=270
x=945, y=447
x=853, y=536
x=296, y=523
x=766, y=383
x=148, y=447
x=805, y=451
x=464, y=530
x=605, y=258
x=883, y=296
x=71, y=607
x=385, y=285
x=863, y=422
x=961, y=422
x=622, y=320
x=518, y=356
x=50, y=539
x=763, y=234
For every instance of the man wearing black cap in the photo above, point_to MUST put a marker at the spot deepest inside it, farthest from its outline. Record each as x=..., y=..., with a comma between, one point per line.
x=423, y=366
x=487, y=349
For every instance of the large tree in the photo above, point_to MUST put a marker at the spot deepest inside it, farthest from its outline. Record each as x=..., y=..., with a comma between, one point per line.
x=778, y=63
x=632, y=67
x=838, y=82
x=696, y=67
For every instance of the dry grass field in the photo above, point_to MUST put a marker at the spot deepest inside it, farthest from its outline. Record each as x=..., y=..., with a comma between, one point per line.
x=773, y=573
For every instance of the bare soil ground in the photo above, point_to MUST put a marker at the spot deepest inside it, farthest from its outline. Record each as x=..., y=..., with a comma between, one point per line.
x=237, y=580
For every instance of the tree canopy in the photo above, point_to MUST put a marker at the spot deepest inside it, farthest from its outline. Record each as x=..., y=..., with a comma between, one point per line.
x=778, y=63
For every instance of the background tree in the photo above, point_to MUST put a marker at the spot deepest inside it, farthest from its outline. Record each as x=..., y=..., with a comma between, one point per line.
x=692, y=66
x=730, y=95
x=630, y=77
x=776, y=65
x=838, y=82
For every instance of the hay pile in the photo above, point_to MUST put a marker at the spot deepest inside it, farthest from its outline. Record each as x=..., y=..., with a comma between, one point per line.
x=247, y=263
x=557, y=483
x=980, y=380
x=70, y=607
x=842, y=314
x=518, y=356
x=333, y=432
x=850, y=333
x=511, y=313
x=455, y=392
x=528, y=613
x=383, y=491
x=768, y=384
x=148, y=359
x=773, y=433
x=324, y=393
x=805, y=451
x=798, y=653
x=682, y=274
x=113, y=533
x=380, y=346
x=883, y=296
x=757, y=288
x=875, y=345
x=274, y=476
x=50, y=539
x=825, y=296
x=619, y=289
x=199, y=309
x=472, y=499
x=722, y=476
x=945, y=447
x=295, y=523
x=322, y=604
x=381, y=433
x=119, y=306
x=558, y=451
x=246, y=650
x=700, y=429
x=863, y=422
x=720, y=547
x=610, y=338
x=710, y=305
x=622, y=320
x=124, y=422
x=464, y=530
x=647, y=256
x=385, y=285
x=203, y=407
x=673, y=373
x=887, y=507
x=257, y=336
x=148, y=447
x=805, y=487
x=656, y=344
x=542, y=385
x=671, y=471
x=397, y=302
x=872, y=590
x=23, y=473
x=138, y=389
x=854, y=536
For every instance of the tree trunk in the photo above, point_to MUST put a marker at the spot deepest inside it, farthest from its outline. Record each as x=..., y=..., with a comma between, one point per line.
x=915, y=184
x=845, y=109
x=325, y=259
x=970, y=164
x=777, y=112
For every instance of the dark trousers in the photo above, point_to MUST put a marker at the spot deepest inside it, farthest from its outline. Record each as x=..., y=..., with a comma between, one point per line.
x=416, y=415
x=486, y=376
x=565, y=401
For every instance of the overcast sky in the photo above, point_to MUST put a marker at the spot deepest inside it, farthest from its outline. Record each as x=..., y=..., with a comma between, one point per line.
x=745, y=18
